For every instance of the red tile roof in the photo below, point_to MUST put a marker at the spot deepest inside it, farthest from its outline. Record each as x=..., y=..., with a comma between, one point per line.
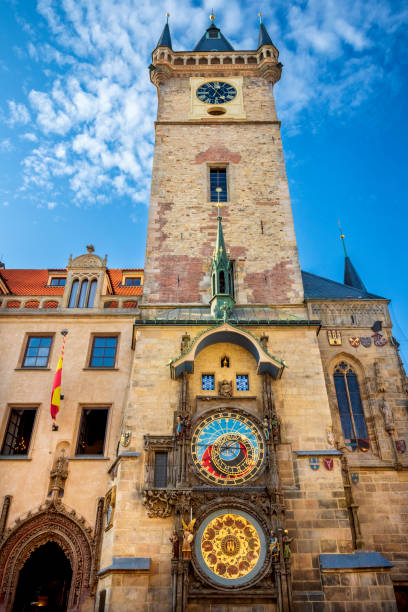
x=34, y=282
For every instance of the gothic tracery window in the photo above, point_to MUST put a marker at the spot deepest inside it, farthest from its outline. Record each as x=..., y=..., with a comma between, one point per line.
x=350, y=406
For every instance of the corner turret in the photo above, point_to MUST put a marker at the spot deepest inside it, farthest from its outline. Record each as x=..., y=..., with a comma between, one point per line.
x=165, y=38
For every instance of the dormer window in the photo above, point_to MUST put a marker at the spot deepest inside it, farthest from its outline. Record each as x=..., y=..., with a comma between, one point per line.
x=82, y=293
x=132, y=278
x=57, y=281
x=133, y=281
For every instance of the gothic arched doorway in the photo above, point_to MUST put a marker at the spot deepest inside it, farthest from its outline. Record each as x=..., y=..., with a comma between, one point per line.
x=44, y=581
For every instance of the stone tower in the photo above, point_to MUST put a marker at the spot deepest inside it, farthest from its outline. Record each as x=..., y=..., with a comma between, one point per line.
x=233, y=138
x=219, y=502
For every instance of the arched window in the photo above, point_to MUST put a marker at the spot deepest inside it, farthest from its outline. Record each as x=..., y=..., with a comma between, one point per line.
x=91, y=296
x=350, y=407
x=72, y=297
x=82, y=294
x=222, y=281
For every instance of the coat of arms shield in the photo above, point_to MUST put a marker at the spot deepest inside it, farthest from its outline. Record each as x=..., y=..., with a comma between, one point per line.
x=334, y=337
x=328, y=463
x=354, y=341
x=401, y=446
x=314, y=463
x=366, y=342
x=354, y=477
x=379, y=339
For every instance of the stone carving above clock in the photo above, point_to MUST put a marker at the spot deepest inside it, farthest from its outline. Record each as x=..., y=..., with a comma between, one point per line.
x=216, y=98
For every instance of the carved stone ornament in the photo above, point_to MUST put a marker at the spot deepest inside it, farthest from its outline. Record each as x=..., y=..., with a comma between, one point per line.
x=388, y=415
x=58, y=475
x=379, y=380
x=52, y=523
x=225, y=388
x=88, y=260
x=125, y=438
x=109, y=507
x=159, y=503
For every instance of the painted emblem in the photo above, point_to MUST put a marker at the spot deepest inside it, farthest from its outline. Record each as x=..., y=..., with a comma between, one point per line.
x=354, y=341
x=330, y=436
x=401, y=446
x=366, y=342
x=125, y=438
x=354, y=476
x=328, y=463
x=314, y=463
x=379, y=339
x=334, y=337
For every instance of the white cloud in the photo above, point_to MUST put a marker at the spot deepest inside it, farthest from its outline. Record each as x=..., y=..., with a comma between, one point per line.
x=94, y=118
x=51, y=205
x=6, y=145
x=18, y=113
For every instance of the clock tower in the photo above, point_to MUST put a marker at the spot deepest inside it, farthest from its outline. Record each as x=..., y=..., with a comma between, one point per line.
x=226, y=368
x=217, y=127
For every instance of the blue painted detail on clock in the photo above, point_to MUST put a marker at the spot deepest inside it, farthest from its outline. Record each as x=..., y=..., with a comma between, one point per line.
x=216, y=92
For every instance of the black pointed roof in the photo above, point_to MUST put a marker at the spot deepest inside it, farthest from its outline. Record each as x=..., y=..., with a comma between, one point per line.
x=213, y=40
x=351, y=277
x=165, y=38
x=263, y=38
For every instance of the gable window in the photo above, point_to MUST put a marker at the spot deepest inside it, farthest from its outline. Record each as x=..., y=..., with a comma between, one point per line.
x=350, y=406
x=103, y=354
x=58, y=281
x=19, y=430
x=37, y=352
x=82, y=295
x=92, y=431
x=160, y=470
x=132, y=281
x=218, y=180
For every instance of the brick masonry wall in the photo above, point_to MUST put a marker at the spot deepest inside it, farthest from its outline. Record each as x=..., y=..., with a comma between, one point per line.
x=257, y=220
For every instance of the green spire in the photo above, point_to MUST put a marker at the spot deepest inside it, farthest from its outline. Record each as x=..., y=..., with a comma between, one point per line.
x=222, y=277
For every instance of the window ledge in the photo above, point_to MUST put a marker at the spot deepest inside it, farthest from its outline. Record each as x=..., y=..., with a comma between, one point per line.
x=15, y=458
x=101, y=368
x=89, y=458
x=38, y=369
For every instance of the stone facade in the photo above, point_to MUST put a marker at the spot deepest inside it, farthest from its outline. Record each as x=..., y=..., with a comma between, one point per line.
x=315, y=517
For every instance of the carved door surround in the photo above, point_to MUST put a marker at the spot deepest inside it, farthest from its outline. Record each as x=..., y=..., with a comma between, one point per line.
x=52, y=523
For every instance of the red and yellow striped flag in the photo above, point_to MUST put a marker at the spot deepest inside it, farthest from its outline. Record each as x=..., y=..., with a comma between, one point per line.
x=56, y=385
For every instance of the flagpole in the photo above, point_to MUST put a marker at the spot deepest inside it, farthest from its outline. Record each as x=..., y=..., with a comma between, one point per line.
x=56, y=386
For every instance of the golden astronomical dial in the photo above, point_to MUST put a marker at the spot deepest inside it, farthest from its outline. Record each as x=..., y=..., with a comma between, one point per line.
x=227, y=448
x=230, y=547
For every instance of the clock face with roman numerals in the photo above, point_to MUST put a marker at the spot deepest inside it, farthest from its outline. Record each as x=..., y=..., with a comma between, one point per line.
x=216, y=92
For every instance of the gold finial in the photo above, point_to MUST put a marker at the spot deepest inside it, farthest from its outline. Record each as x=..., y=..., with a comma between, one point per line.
x=260, y=17
x=342, y=239
x=212, y=16
x=167, y=16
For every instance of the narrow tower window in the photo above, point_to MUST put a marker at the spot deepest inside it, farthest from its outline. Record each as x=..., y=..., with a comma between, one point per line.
x=218, y=179
x=160, y=470
x=350, y=406
x=222, y=282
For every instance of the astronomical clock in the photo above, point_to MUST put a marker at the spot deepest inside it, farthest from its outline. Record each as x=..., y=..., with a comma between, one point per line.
x=222, y=488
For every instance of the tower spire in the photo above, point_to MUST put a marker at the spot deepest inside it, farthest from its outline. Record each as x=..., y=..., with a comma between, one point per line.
x=351, y=277
x=263, y=37
x=165, y=38
x=222, y=278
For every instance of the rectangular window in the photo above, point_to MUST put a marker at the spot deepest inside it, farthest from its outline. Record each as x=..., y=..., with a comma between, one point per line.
x=207, y=382
x=92, y=430
x=218, y=180
x=103, y=354
x=37, y=352
x=102, y=601
x=242, y=382
x=132, y=281
x=18, y=433
x=160, y=470
x=58, y=282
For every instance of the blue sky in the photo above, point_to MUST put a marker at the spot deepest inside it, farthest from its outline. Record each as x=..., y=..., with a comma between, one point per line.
x=76, y=127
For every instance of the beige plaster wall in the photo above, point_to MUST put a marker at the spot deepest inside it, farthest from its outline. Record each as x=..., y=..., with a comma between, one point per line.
x=27, y=479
